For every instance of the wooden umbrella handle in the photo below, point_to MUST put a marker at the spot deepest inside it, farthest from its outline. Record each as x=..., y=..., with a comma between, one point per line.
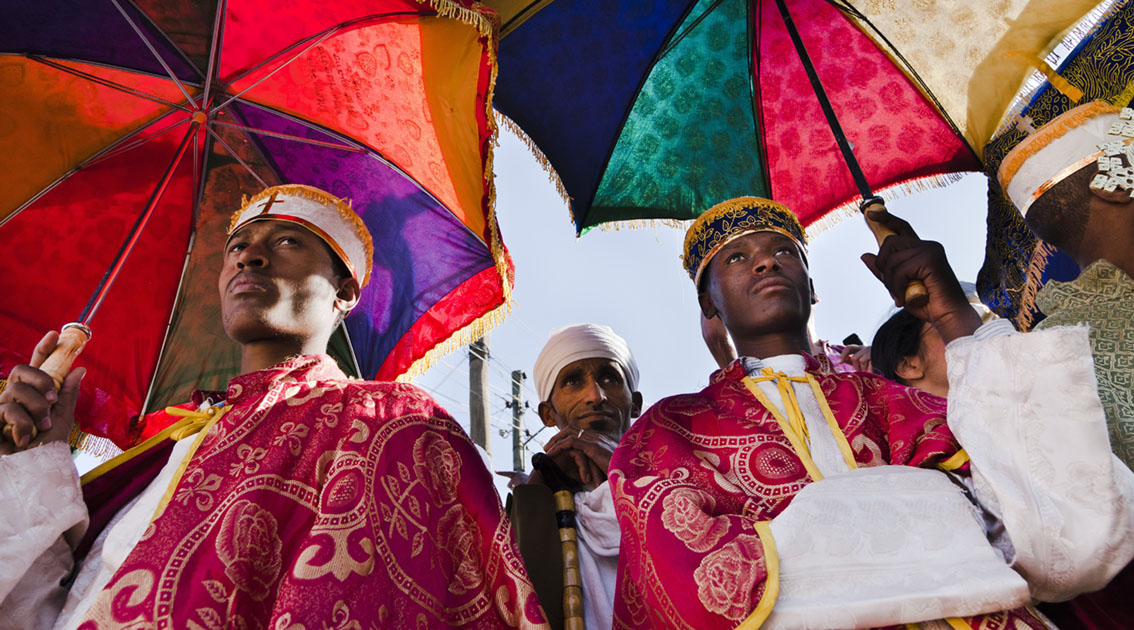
x=916, y=293
x=72, y=339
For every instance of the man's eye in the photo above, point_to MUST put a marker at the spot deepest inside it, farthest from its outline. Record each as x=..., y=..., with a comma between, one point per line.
x=785, y=250
x=235, y=247
x=288, y=240
x=733, y=257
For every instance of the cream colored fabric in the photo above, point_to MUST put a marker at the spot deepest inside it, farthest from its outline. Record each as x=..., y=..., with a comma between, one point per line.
x=599, y=541
x=883, y=546
x=40, y=491
x=1026, y=409
x=960, y=49
x=43, y=517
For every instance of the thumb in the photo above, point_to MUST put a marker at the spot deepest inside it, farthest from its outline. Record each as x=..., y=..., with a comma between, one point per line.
x=869, y=260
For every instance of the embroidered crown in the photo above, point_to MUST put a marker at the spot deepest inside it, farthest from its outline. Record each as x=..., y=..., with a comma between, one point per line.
x=731, y=219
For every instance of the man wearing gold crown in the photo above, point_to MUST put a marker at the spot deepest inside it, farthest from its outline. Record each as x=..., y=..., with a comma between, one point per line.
x=297, y=499
x=1071, y=180
x=785, y=496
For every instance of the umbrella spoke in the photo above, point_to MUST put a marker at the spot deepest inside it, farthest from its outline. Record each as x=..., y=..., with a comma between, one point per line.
x=680, y=36
x=236, y=156
x=133, y=144
x=106, y=82
x=284, y=136
x=135, y=232
x=146, y=41
x=215, y=52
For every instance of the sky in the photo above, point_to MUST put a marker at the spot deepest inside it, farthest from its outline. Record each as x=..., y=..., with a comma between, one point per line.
x=632, y=280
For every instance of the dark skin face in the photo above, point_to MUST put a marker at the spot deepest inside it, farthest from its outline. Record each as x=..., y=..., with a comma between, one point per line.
x=1086, y=223
x=758, y=284
x=591, y=404
x=280, y=296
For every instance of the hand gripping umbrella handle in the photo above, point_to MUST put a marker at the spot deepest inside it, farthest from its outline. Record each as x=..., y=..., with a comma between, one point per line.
x=72, y=339
x=916, y=293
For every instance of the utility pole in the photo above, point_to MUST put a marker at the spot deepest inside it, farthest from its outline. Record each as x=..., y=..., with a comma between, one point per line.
x=478, y=393
x=517, y=405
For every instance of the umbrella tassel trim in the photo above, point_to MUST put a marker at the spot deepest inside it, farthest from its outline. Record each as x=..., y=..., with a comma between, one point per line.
x=486, y=23
x=639, y=224
x=463, y=337
x=540, y=158
x=100, y=448
x=487, y=26
x=1033, y=279
x=896, y=191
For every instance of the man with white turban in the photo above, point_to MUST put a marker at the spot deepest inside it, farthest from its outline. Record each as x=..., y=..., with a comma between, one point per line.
x=587, y=380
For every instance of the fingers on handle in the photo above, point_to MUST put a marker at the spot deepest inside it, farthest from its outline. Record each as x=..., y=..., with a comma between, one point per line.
x=43, y=348
x=18, y=425
x=69, y=393
x=916, y=295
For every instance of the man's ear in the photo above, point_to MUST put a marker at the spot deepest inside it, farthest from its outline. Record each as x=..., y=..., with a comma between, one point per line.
x=1117, y=196
x=910, y=369
x=547, y=414
x=814, y=295
x=708, y=309
x=636, y=407
x=346, y=298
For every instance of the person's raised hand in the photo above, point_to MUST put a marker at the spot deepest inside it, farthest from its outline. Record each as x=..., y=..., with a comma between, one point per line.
x=857, y=356
x=31, y=411
x=905, y=257
x=581, y=454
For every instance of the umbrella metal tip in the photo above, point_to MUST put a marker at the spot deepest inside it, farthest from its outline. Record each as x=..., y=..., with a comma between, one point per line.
x=200, y=117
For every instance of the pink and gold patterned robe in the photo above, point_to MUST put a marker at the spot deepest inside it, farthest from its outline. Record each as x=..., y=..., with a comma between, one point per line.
x=323, y=502
x=698, y=478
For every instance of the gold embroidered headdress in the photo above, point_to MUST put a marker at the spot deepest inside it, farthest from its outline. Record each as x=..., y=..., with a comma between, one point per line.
x=1095, y=132
x=732, y=219
x=330, y=218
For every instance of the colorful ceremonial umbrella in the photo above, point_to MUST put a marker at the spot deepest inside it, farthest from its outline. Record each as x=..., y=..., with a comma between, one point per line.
x=130, y=130
x=659, y=109
x=1016, y=264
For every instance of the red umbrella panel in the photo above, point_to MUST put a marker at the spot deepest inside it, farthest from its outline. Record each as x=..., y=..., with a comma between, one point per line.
x=130, y=132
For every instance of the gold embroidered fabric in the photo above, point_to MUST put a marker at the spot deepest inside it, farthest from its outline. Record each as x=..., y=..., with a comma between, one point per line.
x=962, y=49
x=1102, y=297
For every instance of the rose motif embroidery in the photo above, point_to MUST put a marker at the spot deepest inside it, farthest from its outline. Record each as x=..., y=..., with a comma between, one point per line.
x=725, y=577
x=438, y=465
x=249, y=545
x=685, y=513
x=460, y=550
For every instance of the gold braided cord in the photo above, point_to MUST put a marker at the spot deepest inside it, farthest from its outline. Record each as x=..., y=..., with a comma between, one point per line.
x=1049, y=133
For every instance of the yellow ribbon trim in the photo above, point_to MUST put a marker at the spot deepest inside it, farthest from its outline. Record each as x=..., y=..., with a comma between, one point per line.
x=795, y=437
x=957, y=624
x=840, y=437
x=771, y=583
x=196, y=423
x=133, y=452
x=956, y=461
x=1059, y=83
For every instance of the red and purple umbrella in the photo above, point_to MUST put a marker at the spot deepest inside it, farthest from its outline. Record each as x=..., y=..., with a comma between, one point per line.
x=130, y=130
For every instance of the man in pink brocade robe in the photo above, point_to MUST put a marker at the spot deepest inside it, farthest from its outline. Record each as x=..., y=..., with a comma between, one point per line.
x=788, y=496
x=298, y=499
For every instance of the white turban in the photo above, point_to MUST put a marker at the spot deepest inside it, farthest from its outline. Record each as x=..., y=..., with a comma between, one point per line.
x=569, y=344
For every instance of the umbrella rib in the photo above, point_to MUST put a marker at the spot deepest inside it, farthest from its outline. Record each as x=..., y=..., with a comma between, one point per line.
x=105, y=82
x=168, y=39
x=284, y=136
x=311, y=42
x=169, y=323
x=153, y=50
x=135, y=232
x=754, y=38
x=133, y=144
x=234, y=155
x=854, y=12
x=90, y=160
x=350, y=346
x=214, y=53
x=680, y=36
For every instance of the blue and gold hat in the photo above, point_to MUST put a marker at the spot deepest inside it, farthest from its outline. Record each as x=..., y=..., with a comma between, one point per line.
x=732, y=219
